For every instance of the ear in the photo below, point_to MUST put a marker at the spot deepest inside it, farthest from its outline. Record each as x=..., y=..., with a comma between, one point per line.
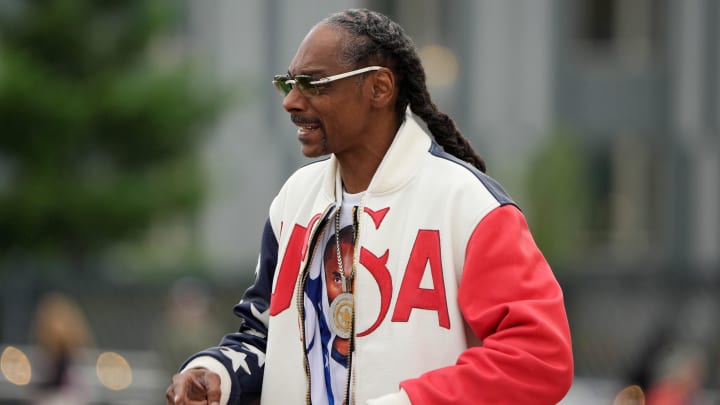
x=383, y=89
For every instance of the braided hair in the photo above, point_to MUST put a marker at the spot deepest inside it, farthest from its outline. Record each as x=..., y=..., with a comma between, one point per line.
x=373, y=38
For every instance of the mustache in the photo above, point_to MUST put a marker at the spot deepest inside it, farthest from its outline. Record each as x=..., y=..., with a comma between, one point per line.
x=296, y=119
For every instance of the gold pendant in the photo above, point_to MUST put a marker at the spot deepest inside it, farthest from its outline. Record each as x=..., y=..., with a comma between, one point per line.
x=341, y=315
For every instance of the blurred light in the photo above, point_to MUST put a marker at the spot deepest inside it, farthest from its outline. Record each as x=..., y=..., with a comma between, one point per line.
x=113, y=371
x=630, y=395
x=441, y=65
x=15, y=366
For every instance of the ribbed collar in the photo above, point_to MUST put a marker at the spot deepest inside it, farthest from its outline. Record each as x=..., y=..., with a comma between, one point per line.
x=398, y=166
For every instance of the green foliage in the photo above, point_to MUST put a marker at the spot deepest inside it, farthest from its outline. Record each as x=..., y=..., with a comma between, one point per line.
x=559, y=195
x=96, y=140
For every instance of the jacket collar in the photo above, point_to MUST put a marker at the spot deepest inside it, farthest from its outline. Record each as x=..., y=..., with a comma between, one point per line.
x=400, y=163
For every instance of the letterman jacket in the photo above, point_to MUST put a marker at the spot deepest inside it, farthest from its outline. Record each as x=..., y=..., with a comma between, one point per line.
x=454, y=303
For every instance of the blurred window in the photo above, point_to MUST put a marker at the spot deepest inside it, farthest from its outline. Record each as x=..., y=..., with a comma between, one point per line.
x=628, y=32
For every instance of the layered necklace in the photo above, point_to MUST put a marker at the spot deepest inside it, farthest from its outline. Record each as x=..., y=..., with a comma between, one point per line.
x=341, y=309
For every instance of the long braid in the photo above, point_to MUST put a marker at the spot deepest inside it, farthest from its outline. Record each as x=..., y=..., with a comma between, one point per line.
x=375, y=38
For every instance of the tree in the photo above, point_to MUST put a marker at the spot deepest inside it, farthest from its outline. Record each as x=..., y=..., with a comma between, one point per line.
x=560, y=203
x=97, y=139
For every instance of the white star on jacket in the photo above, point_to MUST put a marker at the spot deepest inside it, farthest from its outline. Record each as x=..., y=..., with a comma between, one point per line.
x=239, y=359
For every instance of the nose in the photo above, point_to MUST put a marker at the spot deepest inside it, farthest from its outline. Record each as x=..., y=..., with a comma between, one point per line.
x=294, y=101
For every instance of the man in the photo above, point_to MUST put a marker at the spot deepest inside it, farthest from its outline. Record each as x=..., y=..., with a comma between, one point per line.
x=449, y=299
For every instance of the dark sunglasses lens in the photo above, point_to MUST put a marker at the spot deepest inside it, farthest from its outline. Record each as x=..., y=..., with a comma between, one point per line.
x=285, y=84
x=303, y=83
x=282, y=85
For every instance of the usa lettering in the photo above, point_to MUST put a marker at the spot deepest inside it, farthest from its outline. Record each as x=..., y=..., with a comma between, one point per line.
x=425, y=256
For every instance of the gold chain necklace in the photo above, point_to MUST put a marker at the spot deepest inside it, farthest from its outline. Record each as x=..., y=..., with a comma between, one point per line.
x=341, y=309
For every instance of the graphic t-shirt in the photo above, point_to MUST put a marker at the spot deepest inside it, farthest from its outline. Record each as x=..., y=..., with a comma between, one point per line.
x=327, y=352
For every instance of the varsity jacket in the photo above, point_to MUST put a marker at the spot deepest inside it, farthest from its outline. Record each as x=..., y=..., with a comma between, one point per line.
x=454, y=303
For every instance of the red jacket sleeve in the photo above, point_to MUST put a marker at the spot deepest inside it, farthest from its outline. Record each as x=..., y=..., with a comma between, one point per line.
x=511, y=300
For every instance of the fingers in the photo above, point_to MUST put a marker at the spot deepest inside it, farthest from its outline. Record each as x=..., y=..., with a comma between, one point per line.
x=170, y=395
x=179, y=390
x=194, y=386
x=211, y=382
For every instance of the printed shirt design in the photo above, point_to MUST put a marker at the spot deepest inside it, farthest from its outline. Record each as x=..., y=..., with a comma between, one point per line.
x=327, y=352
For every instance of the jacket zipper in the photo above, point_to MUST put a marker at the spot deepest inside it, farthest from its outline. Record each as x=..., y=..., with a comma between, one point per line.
x=350, y=382
x=306, y=364
x=300, y=302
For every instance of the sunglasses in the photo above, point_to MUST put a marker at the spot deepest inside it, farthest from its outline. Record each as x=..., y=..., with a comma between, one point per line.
x=309, y=87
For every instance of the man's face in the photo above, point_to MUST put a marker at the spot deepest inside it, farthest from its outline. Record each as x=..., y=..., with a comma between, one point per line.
x=334, y=120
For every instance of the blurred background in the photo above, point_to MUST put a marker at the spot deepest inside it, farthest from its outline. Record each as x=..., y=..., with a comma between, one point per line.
x=141, y=143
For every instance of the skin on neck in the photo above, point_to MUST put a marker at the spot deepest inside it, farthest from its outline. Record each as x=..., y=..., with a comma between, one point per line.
x=358, y=166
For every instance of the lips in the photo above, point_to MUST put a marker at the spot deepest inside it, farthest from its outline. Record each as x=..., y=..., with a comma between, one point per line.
x=309, y=127
x=305, y=125
x=302, y=122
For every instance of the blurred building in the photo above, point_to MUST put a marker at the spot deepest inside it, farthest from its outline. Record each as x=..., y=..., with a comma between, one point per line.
x=634, y=84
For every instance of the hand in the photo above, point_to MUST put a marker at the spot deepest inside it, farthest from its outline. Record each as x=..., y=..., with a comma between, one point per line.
x=196, y=386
